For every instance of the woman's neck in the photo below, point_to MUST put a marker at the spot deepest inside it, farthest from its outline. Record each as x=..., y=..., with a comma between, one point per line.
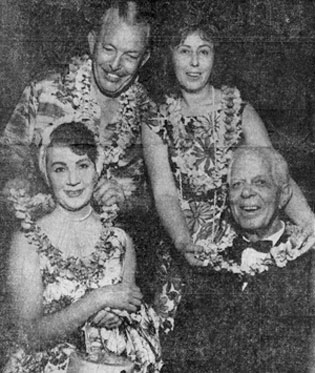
x=196, y=100
x=76, y=216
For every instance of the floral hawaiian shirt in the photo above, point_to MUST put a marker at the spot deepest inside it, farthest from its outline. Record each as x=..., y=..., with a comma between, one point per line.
x=67, y=97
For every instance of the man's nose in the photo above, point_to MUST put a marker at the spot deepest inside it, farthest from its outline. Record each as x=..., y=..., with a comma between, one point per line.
x=115, y=62
x=248, y=190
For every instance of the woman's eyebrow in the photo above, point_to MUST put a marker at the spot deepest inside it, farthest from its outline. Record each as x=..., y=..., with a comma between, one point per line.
x=58, y=163
x=85, y=159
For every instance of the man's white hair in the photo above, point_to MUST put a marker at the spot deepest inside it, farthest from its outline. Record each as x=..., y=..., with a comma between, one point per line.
x=278, y=165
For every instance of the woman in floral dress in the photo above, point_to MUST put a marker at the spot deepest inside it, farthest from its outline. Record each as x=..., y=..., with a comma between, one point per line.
x=72, y=277
x=188, y=148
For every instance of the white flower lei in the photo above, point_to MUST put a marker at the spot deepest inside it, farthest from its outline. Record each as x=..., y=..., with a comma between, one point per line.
x=252, y=261
x=132, y=103
x=76, y=91
x=24, y=205
x=141, y=349
x=226, y=131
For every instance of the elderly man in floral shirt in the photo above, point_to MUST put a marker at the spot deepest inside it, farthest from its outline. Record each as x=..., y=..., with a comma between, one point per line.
x=101, y=91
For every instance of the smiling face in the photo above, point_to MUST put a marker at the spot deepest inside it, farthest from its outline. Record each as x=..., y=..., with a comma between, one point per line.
x=193, y=61
x=255, y=199
x=118, y=52
x=72, y=177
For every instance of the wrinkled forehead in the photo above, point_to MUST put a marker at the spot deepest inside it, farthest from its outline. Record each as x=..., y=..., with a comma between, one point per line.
x=250, y=165
x=112, y=22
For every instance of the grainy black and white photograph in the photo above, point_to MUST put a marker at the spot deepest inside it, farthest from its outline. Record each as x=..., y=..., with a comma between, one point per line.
x=157, y=198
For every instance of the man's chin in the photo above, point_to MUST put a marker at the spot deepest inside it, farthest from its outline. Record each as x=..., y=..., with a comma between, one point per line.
x=250, y=227
x=114, y=90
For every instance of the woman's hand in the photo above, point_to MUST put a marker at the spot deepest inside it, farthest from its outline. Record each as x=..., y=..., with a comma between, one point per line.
x=106, y=318
x=191, y=253
x=109, y=192
x=307, y=235
x=122, y=296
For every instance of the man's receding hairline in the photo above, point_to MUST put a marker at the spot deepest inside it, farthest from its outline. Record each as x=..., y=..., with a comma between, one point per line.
x=130, y=17
x=130, y=21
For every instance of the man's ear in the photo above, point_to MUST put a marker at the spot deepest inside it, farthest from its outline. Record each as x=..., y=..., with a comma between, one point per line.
x=285, y=195
x=92, y=41
x=145, y=58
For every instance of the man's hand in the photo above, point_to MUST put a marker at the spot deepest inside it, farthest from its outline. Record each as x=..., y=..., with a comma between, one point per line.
x=109, y=192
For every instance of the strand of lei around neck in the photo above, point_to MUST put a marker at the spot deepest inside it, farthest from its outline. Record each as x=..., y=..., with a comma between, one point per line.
x=27, y=209
x=73, y=233
x=134, y=106
x=253, y=262
x=225, y=131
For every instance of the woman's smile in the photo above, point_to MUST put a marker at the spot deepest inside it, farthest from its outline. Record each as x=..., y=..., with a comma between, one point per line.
x=193, y=75
x=193, y=61
x=72, y=177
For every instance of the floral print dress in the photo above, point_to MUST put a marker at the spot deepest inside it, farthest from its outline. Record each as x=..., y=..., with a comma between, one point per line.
x=200, y=150
x=67, y=279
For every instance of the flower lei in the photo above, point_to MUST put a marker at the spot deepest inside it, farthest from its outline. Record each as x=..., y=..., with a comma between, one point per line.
x=253, y=262
x=134, y=106
x=75, y=91
x=85, y=271
x=216, y=134
x=25, y=207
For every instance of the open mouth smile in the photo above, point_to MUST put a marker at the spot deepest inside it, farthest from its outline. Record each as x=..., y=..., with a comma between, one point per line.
x=250, y=209
x=73, y=193
x=114, y=78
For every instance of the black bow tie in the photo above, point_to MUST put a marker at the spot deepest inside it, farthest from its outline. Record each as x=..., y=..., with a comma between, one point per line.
x=240, y=244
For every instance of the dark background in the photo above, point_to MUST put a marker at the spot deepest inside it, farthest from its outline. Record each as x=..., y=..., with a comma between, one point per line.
x=267, y=50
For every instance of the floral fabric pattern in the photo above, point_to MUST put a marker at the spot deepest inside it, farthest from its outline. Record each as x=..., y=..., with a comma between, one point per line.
x=66, y=98
x=200, y=149
x=65, y=280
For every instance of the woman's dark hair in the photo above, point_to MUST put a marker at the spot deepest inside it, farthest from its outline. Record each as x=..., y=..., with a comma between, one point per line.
x=77, y=137
x=179, y=20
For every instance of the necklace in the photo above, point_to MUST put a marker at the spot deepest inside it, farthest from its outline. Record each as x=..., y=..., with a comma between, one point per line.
x=69, y=217
x=75, y=236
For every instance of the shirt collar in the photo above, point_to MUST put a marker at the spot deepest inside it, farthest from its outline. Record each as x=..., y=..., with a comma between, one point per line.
x=274, y=238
